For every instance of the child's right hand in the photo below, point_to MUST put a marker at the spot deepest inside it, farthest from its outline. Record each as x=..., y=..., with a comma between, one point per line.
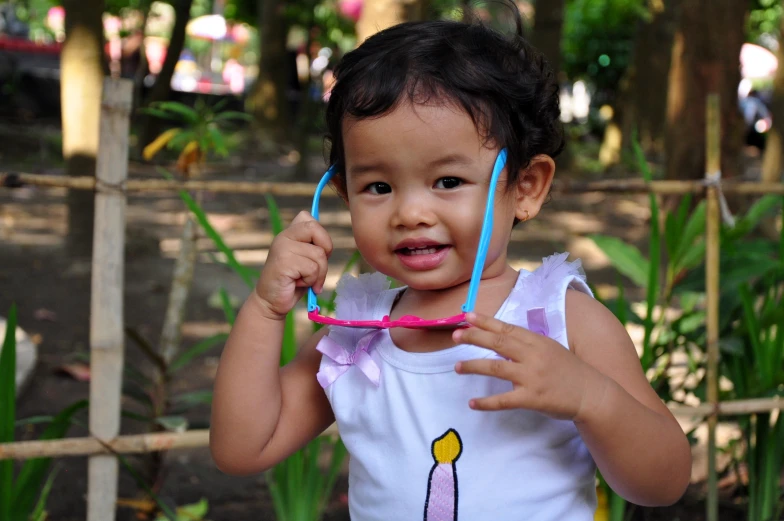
x=297, y=260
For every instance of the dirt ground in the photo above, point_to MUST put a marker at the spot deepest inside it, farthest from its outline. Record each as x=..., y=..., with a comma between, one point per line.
x=52, y=293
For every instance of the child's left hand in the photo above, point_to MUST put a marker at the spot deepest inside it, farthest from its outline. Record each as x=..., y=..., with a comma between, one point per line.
x=546, y=377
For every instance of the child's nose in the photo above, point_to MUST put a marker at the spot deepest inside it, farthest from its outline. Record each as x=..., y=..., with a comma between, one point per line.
x=413, y=211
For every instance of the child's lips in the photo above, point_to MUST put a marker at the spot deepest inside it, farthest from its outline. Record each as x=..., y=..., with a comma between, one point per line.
x=423, y=258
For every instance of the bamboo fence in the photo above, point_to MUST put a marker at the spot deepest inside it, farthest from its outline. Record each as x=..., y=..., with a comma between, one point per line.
x=106, y=343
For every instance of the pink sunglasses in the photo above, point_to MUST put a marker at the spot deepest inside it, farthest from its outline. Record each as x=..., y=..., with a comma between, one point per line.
x=411, y=321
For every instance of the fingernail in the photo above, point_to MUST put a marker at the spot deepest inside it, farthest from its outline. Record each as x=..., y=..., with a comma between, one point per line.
x=457, y=334
x=458, y=367
x=472, y=404
x=471, y=316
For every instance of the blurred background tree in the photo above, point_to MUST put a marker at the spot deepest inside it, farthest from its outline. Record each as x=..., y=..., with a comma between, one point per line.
x=623, y=65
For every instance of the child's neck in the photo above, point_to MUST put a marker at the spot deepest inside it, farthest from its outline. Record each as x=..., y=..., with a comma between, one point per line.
x=431, y=304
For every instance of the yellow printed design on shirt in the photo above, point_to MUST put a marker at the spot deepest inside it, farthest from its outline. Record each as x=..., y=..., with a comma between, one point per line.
x=441, y=500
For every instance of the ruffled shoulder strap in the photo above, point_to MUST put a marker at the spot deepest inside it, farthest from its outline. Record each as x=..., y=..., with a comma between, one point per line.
x=541, y=296
x=362, y=297
x=367, y=297
x=557, y=272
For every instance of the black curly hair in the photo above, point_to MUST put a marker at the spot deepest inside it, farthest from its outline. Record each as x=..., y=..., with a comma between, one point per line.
x=502, y=82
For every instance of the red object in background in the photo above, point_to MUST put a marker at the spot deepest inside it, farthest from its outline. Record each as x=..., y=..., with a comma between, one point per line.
x=351, y=9
x=20, y=45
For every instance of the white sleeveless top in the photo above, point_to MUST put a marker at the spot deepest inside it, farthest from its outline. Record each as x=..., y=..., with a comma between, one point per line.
x=418, y=452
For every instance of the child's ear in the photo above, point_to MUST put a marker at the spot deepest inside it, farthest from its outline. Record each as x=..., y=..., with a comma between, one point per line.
x=533, y=186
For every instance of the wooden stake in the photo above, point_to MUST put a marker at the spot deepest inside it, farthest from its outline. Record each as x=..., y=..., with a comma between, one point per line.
x=106, y=303
x=712, y=172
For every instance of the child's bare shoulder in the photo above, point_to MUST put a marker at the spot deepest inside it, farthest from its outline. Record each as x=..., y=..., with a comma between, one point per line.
x=593, y=330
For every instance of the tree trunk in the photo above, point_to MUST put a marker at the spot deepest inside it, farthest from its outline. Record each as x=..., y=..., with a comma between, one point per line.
x=268, y=101
x=647, y=104
x=381, y=14
x=548, y=26
x=705, y=58
x=82, y=71
x=161, y=90
x=774, y=146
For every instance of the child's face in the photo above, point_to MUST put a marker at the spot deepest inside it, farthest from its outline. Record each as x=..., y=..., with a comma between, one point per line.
x=417, y=181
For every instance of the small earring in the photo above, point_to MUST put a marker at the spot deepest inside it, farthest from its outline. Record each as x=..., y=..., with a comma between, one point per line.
x=527, y=216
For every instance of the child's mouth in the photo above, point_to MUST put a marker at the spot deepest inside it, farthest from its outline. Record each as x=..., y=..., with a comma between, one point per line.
x=423, y=257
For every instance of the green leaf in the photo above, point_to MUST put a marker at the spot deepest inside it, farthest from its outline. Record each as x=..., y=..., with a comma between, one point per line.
x=194, y=511
x=7, y=410
x=694, y=230
x=228, y=307
x=289, y=348
x=193, y=398
x=232, y=115
x=201, y=217
x=186, y=113
x=626, y=258
x=33, y=420
x=185, y=357
x=732, y=346
x=761, y=207
x=33, y=472
x=275, y=221
x=173, y=423
x=135, y=416
x=218, y=141
x=142, y=484
x=181, y=140
x=674, y=227
x=39, y=512
x=161, y=114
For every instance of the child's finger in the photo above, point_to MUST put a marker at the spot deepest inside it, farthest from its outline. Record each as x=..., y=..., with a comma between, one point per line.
x=502, y=343
x=497, y=368
x=494, y=325
x=306, y=229
x=307, y=271
x=497, y=402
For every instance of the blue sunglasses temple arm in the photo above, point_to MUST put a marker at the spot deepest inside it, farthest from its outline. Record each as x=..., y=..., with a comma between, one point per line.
x=314, y=211
x=484, y=237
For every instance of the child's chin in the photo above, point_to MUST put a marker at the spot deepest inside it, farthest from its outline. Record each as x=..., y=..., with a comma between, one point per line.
x=429, y=282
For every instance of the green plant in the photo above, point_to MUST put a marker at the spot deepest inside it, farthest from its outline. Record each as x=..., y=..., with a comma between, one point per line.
x=751, y=323
x=23, y=497
x=299, y=487
x=685, y=248
x=754, y=364
x=199, y=131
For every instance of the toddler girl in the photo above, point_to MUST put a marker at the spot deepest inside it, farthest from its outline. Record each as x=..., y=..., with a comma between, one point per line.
x=506, y=419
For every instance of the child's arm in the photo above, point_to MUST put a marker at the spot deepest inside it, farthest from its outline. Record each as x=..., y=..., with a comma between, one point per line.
x=598, y=383
x=262, y=413
x=637, y=444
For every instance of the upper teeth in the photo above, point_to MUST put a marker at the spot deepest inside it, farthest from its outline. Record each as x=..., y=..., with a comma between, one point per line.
x=424, y=250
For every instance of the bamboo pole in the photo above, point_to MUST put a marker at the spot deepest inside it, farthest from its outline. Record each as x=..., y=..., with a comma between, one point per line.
x=712, y=172
x=614, y=186
x=198, y=438
x=106, y=303
x=133, y=444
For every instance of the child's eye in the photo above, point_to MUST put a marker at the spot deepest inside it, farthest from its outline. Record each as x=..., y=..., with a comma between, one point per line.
x=449, y=182
x=378, y=188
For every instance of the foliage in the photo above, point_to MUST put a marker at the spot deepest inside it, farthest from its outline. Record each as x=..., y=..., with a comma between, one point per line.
x=193, y=512
x=597, y=39
x=23, y=498
x=751, y=322
x=763, y=20
x=300, y=489
x=199, y=131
